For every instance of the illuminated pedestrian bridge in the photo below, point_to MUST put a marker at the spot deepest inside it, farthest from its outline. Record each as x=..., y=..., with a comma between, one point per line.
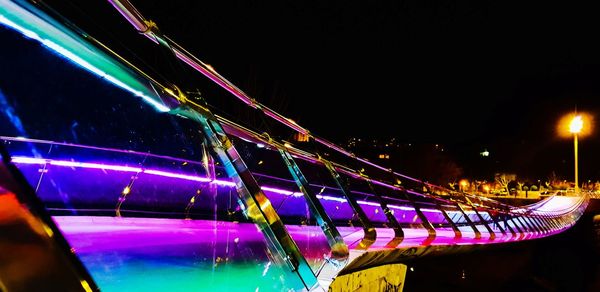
x=131, y=184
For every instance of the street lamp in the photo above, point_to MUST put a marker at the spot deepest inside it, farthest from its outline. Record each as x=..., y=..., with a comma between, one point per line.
x=578, y=124
x=575, y=127
x=463, y=183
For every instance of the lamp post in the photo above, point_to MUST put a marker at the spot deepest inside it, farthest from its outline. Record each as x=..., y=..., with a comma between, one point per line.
x=463, y=183
x=575, y=128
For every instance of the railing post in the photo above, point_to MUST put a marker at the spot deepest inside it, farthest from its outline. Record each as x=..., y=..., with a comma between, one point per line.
x=339, y=249
x=369, y=230
x=485, y=224
x=256, y=205
x=392, y=221
x=431, y=234
x=469, y=221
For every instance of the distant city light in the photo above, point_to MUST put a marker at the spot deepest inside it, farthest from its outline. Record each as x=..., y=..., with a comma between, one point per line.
x=485, y=153
x=384, y=156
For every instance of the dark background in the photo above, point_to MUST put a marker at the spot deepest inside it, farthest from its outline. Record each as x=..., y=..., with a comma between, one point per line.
x=470, y=75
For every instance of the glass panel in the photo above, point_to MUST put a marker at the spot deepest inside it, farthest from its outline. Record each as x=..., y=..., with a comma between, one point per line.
x=404, y=212
x=408, y=216
x=290, y=203
x=461, y=223
x=367, y=200
x=475, y=219
x=115, y=138
x=490, y=222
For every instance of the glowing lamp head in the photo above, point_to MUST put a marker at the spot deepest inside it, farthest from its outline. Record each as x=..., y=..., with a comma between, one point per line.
x=576, y=125
x=580, y=124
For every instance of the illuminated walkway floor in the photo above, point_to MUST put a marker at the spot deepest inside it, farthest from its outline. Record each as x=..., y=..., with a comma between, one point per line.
x=141, y=254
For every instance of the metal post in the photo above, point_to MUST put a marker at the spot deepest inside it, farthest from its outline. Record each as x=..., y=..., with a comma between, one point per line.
x=576, y=165
x=256, y=205
x=369, y=230
x=339, y=249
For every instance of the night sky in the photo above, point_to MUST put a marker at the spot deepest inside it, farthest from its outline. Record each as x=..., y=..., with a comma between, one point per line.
x=449, y=68
x=471, y=75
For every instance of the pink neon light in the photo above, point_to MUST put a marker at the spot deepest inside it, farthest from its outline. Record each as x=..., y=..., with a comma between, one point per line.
x=269, y=112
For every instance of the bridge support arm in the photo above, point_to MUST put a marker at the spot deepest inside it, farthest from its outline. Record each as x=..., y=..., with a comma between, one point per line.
x=389, y=215
x=424, y=221
x=369, y=230
x=469, y=221
x=339, y=249
x=254, y=202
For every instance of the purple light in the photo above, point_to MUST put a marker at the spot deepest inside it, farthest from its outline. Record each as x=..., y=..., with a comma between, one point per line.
x=226, y=183
x=330, y=198
x=368, y=203
x=400, y=207
x=430, y=210
x=277, y=191
x=176, y=175
x=28, y=160
x=554, y=205
x=94, y=165
x=282, y=192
